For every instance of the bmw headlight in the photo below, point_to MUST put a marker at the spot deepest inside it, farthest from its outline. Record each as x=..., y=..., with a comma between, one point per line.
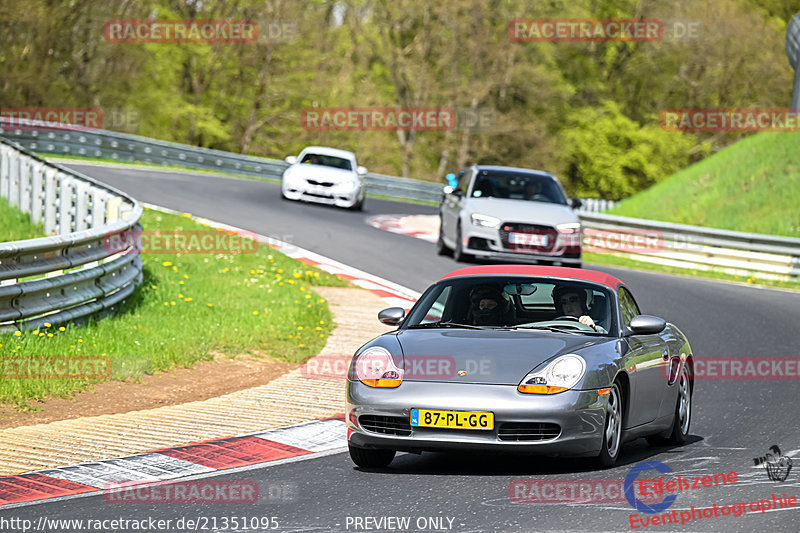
x=347, y=186
x=559, y=375
x=484, y=220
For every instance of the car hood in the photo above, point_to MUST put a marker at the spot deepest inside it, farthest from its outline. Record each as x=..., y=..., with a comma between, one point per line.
x=522, y=211
x=484, y=356
x=320, y=173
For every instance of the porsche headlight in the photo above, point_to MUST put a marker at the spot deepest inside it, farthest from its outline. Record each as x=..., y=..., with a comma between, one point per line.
x=559, y=375
x=484, y=220
x=375, y=367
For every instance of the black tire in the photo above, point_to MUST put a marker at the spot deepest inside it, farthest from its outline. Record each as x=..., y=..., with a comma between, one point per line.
x=358, y=206
x=441, y=247
x=612, y=429
x=367, y=458
x=680, y=425
x=458, y=251
x=683, y=409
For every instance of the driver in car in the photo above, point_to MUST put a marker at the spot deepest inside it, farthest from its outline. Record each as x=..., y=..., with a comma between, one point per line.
x=571, y=301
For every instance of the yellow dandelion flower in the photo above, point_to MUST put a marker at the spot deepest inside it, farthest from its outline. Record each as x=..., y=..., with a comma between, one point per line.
x=298, y=275
x=172, y=302
x=211, y=305
x=280, y=271
x=175, y=269
x=180, y=282
x=321, y=321
x=80, y=340
x=48, y=325
x=62, y=328
x=167, y=263
x=187, y=299
x=302, y=288
x=225, y=269
x=41, y=334
x=259, y=271
x=302, y=345
x=308, y=296
x=185, y=276
x=255, y=312
x=49, y=334
x=300, y=328
x=308, y=272
x=166, y=303
x=153, y=286
x=180, y=295
x=36, y=332
x=72, y=346
x=17, y=333
x=318, y=328
x=252, y=271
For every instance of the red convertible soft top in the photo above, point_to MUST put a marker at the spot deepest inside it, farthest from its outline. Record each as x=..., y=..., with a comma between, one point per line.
x=535, y=270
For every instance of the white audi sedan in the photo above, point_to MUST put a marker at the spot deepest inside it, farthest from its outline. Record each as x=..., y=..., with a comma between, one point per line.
x=324, y=175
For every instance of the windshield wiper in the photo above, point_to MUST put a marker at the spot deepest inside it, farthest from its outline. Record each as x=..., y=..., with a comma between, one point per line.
x=559, y=330
x=444, y=325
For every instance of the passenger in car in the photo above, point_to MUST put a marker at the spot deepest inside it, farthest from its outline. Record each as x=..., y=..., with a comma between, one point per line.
x=490, y=307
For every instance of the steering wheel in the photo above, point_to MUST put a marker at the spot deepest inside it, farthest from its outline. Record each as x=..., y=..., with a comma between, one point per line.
x=568, y=317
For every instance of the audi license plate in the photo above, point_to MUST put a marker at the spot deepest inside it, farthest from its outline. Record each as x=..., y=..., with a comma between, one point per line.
x=527, y=239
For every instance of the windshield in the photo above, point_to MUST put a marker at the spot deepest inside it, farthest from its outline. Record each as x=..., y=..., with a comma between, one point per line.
x=515, y=303
x=517, y=186
x=327, y=161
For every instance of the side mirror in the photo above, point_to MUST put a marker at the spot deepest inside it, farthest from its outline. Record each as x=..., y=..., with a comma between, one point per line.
x=447, y=189
x=575, y=203
x=646, y=325
x=291, y=160
x=361, y=171
x=392, y=316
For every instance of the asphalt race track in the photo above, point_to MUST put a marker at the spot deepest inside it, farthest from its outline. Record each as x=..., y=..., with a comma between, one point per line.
x=733, y=421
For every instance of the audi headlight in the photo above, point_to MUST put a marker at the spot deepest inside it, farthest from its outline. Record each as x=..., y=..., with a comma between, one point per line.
x=484, y=220
x=571, y=227
x=559, y=375
x=375, y=367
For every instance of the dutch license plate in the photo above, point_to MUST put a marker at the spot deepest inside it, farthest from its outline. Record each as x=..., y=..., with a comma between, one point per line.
x=527, y=239
x=432, y=418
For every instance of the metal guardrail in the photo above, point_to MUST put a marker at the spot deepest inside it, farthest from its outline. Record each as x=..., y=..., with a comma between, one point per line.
x=694, y=247
x=82, y=275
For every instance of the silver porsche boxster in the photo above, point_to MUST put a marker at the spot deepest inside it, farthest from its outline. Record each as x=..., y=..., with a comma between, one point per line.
x=526, y=359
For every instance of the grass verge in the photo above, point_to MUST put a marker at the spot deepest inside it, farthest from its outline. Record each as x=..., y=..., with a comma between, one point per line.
x=16, y=226
x=751, y=186
x=189, y=306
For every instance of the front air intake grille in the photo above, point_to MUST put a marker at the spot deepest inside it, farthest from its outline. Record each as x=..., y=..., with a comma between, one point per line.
x=388, y=425
x=528, y=431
